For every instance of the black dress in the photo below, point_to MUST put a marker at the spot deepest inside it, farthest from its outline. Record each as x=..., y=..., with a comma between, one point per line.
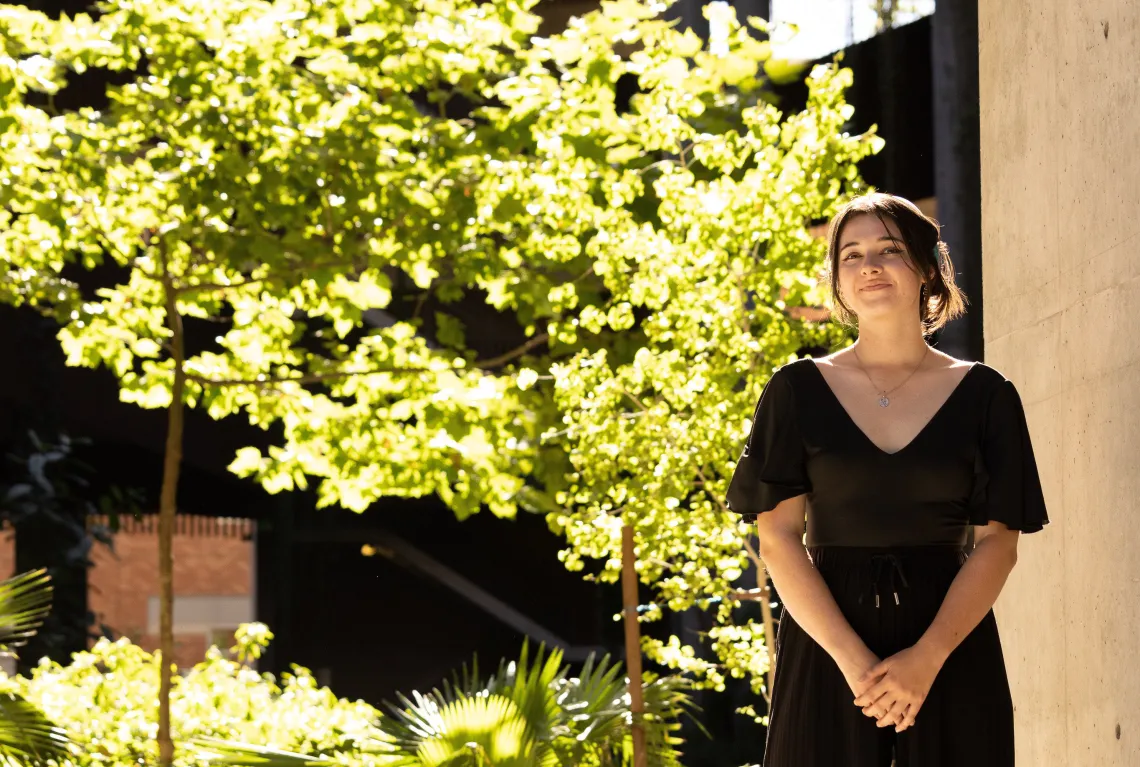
x=887, y=532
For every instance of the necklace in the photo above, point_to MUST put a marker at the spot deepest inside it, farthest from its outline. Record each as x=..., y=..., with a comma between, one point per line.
x=884, y=399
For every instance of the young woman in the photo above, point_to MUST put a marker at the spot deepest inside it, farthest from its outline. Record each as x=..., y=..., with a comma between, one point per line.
x=890, y=451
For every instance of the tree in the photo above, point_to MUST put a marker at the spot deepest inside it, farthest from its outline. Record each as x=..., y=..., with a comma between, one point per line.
x=703, y=256
x=233, y=213
x=269, y=172
x=887, y=13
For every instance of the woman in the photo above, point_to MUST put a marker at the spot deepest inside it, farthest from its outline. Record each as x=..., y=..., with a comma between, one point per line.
x=891, y=451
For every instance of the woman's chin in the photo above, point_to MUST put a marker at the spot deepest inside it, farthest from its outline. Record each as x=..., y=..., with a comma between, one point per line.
x=881, y=309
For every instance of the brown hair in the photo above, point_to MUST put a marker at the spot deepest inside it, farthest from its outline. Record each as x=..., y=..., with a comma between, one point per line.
x=940, y=300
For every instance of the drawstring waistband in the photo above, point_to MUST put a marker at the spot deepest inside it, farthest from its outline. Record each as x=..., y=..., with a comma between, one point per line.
x=880, y=562
x=853, y=573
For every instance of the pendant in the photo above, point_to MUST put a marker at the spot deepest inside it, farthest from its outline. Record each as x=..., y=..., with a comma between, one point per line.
x=884, y=400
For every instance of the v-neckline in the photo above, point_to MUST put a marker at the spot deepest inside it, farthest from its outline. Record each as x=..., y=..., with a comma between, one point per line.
x=863, y=434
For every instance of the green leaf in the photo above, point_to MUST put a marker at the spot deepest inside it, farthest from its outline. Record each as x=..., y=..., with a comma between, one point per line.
x=784, y=71
x=610, y=290
x=449, y=331
x=25, y=600
x=27, y=737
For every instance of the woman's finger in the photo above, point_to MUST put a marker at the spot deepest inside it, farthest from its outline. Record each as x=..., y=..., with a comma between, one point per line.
x=879, y=708
x=894, y=714
x=865, y=683
x=875, y=671
x=908, y=720
x=879, y=690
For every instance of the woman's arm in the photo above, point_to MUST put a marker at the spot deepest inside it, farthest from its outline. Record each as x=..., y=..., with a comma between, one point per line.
x=975, y=589
x=803, y=592
x=906, y=677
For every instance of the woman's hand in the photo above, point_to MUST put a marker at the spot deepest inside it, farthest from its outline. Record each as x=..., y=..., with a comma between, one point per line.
x=893, y=690
x=856, y=668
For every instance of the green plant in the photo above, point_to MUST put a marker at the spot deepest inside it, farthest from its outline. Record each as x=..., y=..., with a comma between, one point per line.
x=27, y=737
x=554, y=717
x=106, y=698
x=269, y=172
x=530, y=713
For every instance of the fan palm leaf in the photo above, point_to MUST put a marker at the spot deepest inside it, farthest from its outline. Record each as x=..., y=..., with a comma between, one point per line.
x=597, y=704
x=245, y=755
x=530, y=713
x=486, y=731
x=531, y=685
x=25, y=600
x=27, y=737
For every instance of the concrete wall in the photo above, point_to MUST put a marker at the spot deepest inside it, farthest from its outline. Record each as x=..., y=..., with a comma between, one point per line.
x=1060, y=137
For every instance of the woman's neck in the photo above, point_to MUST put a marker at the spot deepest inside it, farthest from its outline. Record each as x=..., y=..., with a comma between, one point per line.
x=892, y=346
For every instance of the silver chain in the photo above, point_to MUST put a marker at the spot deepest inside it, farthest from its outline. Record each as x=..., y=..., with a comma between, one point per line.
x=884, y=398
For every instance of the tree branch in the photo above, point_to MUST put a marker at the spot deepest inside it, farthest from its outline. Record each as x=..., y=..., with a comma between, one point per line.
x=305, y=379
x=766, y=616
x=583, y=275
x=506, y=357
x=633, y=397
x=272, y=277
x=494, y=362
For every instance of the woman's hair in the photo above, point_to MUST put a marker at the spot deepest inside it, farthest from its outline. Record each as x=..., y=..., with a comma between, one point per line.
x=940, y=300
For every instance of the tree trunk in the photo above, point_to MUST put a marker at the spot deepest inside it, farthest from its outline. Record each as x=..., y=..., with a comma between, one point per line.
x=769, y=627
x=633, y=645
x=168, y=506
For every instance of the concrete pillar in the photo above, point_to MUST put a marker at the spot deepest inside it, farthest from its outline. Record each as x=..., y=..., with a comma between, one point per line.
x=1060, y=148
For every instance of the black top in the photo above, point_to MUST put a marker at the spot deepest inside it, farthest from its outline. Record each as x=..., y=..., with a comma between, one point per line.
x=971, y=463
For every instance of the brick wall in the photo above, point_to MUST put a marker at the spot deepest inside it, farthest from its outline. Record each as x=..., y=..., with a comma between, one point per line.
x=7, y=554
x=213, y=582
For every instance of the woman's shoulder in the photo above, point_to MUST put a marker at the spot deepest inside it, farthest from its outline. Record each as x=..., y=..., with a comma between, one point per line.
x=990, y=376
x=980, y=372
x=793, y=371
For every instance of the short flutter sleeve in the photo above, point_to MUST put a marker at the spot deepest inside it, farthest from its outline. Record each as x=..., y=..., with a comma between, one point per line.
x=1007, y=487
x=772, y=465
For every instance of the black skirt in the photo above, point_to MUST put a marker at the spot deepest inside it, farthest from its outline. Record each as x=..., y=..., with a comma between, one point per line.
x=890, y=597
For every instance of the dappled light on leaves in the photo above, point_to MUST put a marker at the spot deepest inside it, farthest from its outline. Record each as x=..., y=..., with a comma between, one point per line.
x=305, y=176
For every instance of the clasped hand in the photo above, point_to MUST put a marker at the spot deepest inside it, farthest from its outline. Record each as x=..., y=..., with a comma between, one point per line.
x=893, y=690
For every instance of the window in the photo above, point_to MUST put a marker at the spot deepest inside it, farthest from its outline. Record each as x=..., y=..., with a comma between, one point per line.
x=203, y=614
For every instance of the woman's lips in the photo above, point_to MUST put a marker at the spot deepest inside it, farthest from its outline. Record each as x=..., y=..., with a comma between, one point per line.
x=877, y=286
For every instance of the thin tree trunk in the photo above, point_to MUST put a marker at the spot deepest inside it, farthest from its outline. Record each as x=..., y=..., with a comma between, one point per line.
x=167, y=507
x=764, y=587
x=769, y=628
x=633, y=645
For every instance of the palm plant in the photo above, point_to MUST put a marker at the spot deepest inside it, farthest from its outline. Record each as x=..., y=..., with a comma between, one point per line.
x=27, y=737
x=530, y=713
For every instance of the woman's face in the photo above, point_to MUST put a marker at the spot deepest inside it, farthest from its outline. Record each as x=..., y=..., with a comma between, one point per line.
x=876, y=278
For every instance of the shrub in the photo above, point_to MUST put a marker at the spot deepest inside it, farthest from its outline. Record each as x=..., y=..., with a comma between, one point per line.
x=107, y=701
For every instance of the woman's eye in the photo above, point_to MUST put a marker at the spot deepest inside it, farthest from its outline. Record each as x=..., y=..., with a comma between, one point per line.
x=891, y=251
x=850, y=256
